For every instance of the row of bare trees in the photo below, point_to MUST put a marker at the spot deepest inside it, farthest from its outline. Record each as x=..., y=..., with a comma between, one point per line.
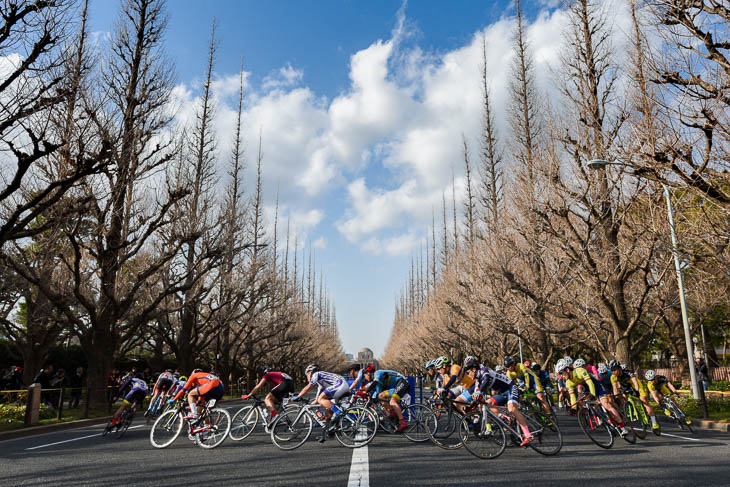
x=113, y=230
x=577, y=260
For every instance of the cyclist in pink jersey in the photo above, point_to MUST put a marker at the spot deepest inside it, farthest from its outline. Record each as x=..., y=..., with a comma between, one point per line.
x=281, y=385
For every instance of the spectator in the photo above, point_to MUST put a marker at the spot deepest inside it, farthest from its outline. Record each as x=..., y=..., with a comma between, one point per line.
x=44, y=379
x=59, y=381
x=703, y=373
x=76, y=383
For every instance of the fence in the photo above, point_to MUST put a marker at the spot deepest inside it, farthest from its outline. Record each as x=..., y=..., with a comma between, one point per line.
x=716, y=373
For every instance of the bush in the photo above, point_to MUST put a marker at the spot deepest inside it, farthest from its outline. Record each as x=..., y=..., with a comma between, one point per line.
x=693, y=408
x=719, y=385
x=16, y=414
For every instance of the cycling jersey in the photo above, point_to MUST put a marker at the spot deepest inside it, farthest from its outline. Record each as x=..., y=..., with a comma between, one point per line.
x=164, y=382
x=605, y=380
x=205, y=382
x=439, y=380
x=489, y=381
x=526, y=374
x=544, y=378
x=275, y=378
x=283, y=384
x=178, y=385
x=332, y=385
x=457, y=375
x=625, y=380
x=359, y=380
x=137, y=390
x=659, y=384
x=580, y=376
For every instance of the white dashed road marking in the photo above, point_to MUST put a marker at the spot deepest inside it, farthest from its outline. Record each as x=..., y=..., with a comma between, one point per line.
x=677, y=436
x=74, y=439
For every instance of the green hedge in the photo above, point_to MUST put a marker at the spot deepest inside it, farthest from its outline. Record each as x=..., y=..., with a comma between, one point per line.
x=717, y=408
x=16, y=414
x=719, y=385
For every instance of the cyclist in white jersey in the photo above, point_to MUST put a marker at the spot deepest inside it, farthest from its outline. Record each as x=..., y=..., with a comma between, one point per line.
x=330, y=388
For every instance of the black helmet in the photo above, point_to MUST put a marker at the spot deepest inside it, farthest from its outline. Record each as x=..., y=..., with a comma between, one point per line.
x=176, y=375
x=614, y=365
x=169, y=371
x=138, y=375
x=354, y=367
x=509, y=361
x=535, y=366
x=470, y=362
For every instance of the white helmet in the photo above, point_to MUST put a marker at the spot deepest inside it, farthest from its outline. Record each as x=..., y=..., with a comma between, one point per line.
x=602, y=368
x=561, y=366
x=498, y=368
x=311, y=368
x=579, y=362
x=649, y=375
x=441, y=362
x=568, y=361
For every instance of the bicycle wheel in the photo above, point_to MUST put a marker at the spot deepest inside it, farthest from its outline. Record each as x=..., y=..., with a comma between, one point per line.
x=442, y=429
x=679, y=416
x=124, y=424
x=244, y=422
x=108, y=428
x=416, y=416
x=291, y=429
x=220, y=427
x=635, y=418
x=482, y=437
x=166, y=429
x=595, y=428
x=357, y=427
x=548, y=438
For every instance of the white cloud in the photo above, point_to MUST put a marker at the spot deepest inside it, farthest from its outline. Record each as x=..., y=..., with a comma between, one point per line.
x=285, y=77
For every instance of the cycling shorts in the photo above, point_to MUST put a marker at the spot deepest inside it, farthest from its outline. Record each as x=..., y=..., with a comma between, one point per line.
x=458, y=390
x=466, y=395
x=164, y=385
x=511, y=395
x=285, y=387
x=561, y=384
x=336, y=391
x=402, y=387
x=211, y=390
x=135, y=394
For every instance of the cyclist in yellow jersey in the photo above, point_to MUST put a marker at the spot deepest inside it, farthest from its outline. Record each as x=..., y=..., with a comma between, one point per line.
x=581, y=377
x=516, y=370
x=659, y=386
x=623, y=380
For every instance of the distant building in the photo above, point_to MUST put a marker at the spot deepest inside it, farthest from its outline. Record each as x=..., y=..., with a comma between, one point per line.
x=364, y=357
x=349, y=356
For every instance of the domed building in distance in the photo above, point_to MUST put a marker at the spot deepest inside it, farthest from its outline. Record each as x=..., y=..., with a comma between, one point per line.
x=364, y=357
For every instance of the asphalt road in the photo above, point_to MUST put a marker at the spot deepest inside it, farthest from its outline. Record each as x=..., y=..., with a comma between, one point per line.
x=83, y=457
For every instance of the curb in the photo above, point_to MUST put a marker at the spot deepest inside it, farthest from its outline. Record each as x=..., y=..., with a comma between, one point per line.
x=52, y=428
x=711, y=425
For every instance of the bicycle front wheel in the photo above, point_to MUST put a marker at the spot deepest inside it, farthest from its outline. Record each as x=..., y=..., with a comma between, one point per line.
x=548, y=440
x=126, y=421
x=482, y=436
x=291, y=429
x=595, y=428
x=166, y=429
x=442, y=429
x=679, y=416
x=416, y=416
x=636, y=418
x=357, y=427
x=244, y=422
x=220, y=427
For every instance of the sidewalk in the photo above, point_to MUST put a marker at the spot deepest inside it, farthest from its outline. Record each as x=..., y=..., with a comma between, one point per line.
x=706, y=424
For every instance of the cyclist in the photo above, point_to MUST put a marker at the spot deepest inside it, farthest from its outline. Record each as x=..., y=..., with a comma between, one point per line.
x=179, y=384
x=203, y=385
x=360, y=382
x=281, y=385
x=563, y=393
x=390, y=387
x=580, y=363
x=519, y=371
x=542, y=375
x=503, y=391
x=456, y=377
x=624, y=381
x=464, y=396
x=330, y=388
x=162, y=387
x=659, y=386
x=135, y=389
x=578, y=376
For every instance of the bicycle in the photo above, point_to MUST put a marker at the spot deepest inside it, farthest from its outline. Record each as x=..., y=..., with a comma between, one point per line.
x=209, y=429
x=483, y=432
x=594, y=421
x=122, y=425
x=415, y=416
x=533, y=404
x=634, y=413
x=247, y=418
x=443, y=421
x=677, y=414
x=355, y=428
x=159, y=406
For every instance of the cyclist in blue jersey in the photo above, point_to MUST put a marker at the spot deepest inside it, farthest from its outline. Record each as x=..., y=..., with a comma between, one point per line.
x=390, y=386
x=360, y=381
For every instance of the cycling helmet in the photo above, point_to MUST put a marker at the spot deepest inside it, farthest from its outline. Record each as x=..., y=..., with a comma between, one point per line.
x=354, y=367
x=369, y=369
x=138, y=375
x=176, y=375
x=441, y=362
x=184, y=378
x=649, y=375
x=311, y=369
x=561, y=366
x=535, y=366
x=579, y=362
x=169, y=371
x=509, y=361
x=527, y=363
x=267, y=370
x=602, y=368
x=195, y=371
x=613, y=365
x=568, y=360
x=429, y=365
x=498, y=368
x=625, y=367
x=470, y=362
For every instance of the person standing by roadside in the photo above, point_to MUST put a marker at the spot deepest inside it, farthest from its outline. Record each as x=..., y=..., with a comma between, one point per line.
x=44, y=379
x=59, y=381
x=703, y=373
x=76, y=383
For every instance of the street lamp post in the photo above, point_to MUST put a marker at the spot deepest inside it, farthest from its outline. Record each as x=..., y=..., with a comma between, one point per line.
x=601, y=164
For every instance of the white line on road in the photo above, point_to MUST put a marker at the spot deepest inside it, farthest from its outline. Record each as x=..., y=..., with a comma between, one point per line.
x=73, y=439
x=677, y=436
x=359, y=470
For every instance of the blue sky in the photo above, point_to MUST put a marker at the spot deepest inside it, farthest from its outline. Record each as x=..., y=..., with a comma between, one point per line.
x=361, y=106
